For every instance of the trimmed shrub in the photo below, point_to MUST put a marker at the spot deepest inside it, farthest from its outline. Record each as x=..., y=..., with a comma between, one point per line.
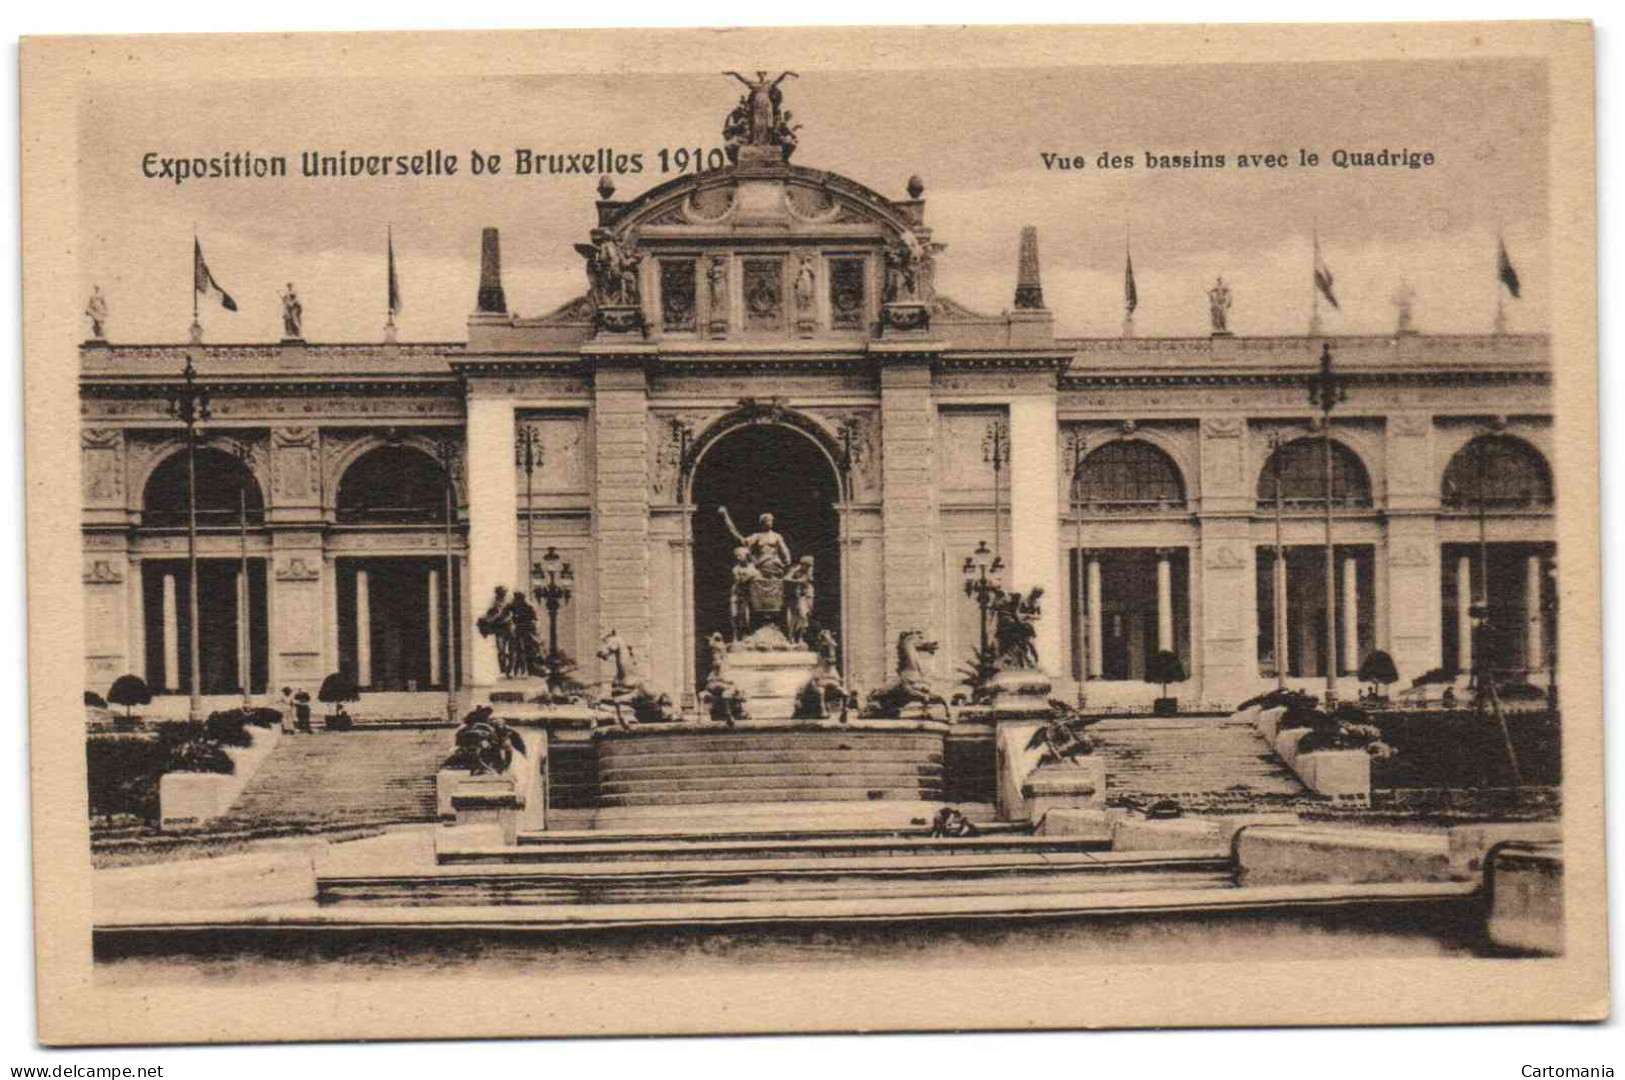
x=94, y=700
x=129, y=691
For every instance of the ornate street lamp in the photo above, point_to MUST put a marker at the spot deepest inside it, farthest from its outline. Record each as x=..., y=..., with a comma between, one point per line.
x=982, y=569
x=556, y=588
x=996, y=452
x=528, y=456
x=190, y=404
x=1327, y=390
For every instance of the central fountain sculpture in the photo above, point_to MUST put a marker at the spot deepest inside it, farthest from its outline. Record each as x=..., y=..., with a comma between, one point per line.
x=771, y=655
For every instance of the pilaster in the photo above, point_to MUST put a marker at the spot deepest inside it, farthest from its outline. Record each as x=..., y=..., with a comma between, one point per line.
x=621, y=491
x=493, y=537
x=1035, y=517
x=908, y=477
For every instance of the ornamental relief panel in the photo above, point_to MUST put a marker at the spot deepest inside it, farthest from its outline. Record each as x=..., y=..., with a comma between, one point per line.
x=857, y=433
x=669, y=431
x=295, y=466
x=563, y=453
x=102, y=466
x=967, y=442
x=316, y=407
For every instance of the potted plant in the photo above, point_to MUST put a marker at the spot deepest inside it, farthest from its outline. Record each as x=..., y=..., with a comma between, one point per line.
x=338, y=688
x=1378, y=670
x=129, y=691
x=485, y=744
x=1165, y=668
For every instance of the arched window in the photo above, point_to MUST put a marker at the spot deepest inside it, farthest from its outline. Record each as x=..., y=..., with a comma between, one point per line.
x=1501, y=472
x=226, y=488
x=1128, y=475
x=1302, y=471
x=393, y=484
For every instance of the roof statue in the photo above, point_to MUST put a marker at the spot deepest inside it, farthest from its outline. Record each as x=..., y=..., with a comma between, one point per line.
x=759, y=119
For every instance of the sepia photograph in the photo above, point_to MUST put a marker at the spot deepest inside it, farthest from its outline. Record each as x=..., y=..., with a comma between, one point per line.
x=813, y=509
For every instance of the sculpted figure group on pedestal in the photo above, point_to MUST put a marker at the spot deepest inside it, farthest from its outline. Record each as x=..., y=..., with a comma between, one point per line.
x=769, y=589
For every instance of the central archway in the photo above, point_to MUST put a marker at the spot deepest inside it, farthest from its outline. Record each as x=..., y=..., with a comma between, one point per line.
x=757, y=469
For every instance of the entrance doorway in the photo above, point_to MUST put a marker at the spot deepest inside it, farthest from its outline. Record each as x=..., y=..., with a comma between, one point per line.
x=754, y=470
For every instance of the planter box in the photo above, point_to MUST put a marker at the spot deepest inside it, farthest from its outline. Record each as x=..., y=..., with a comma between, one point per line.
x=1286, y=747
x=1268, y=723
x=445, y=785
x=189, y=800
x=1075, y=785
x=1342, y=774
x=1165, y=706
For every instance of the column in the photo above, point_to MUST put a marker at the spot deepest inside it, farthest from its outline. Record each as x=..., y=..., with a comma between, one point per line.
x=1165, y=601
x=434, y=627
x=1534, y=649
x=1351, y=614
x=1097, y=629
x=363, y=631
x=330, y=618
x=135, y=610
x=1035, y=514
x=1464, y=618
x=172, y=637
x=493, y=534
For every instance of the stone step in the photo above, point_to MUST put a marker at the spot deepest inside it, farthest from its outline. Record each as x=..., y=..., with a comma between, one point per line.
x=543, y=847
x=766, y=739
x=749, y=881
x=631, y=773
x=788, y=794
x=801, y=781
x=805, y=755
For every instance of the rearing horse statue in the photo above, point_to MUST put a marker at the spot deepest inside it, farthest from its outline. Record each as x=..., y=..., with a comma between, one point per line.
x=912, y=685
x=629, y=690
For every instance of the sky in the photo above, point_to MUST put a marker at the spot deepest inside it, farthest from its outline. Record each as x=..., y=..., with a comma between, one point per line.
x=974, y=137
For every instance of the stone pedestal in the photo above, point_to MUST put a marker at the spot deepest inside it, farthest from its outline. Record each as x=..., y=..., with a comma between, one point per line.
x=1075, y=785
x=489, y=800
x=1020, y=692
x=770, y=680
x=620, y=319
x=904, y=317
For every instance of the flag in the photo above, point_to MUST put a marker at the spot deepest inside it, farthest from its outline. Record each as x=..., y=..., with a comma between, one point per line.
x=1131, y=295
x=394, y=282
x=203, y=282
x=1323, y=277
x=1504, y=271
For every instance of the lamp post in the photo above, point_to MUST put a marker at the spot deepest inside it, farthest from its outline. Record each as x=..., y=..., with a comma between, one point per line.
x=445, y=451
x=558, y=584
x=528, y=456
x=1327, y=390
x=996, y=452
x=982, y=569
x=1077, y=445
x=190, y=404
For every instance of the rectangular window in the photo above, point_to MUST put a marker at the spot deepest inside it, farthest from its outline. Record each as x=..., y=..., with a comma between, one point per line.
x=764, y=294
x=677, y=294
x=846, y=294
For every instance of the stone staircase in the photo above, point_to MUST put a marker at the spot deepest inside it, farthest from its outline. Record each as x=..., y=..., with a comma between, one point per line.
x=785, y=870
x=768, y=766
x=345, y=778
x=1203, y=763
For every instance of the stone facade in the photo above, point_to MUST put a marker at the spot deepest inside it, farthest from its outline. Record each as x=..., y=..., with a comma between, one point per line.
x=802, y=330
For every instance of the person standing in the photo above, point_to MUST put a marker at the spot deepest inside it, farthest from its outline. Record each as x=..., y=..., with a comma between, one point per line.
x=287, y=711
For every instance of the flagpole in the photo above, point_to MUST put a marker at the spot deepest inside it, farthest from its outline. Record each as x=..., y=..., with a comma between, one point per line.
x=1315, y=327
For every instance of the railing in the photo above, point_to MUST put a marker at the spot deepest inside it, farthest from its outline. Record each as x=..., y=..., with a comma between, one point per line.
x=1128, y=506
x=391, y=515
x=206, y=519
x=1318, y=504
x=1468, y=504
